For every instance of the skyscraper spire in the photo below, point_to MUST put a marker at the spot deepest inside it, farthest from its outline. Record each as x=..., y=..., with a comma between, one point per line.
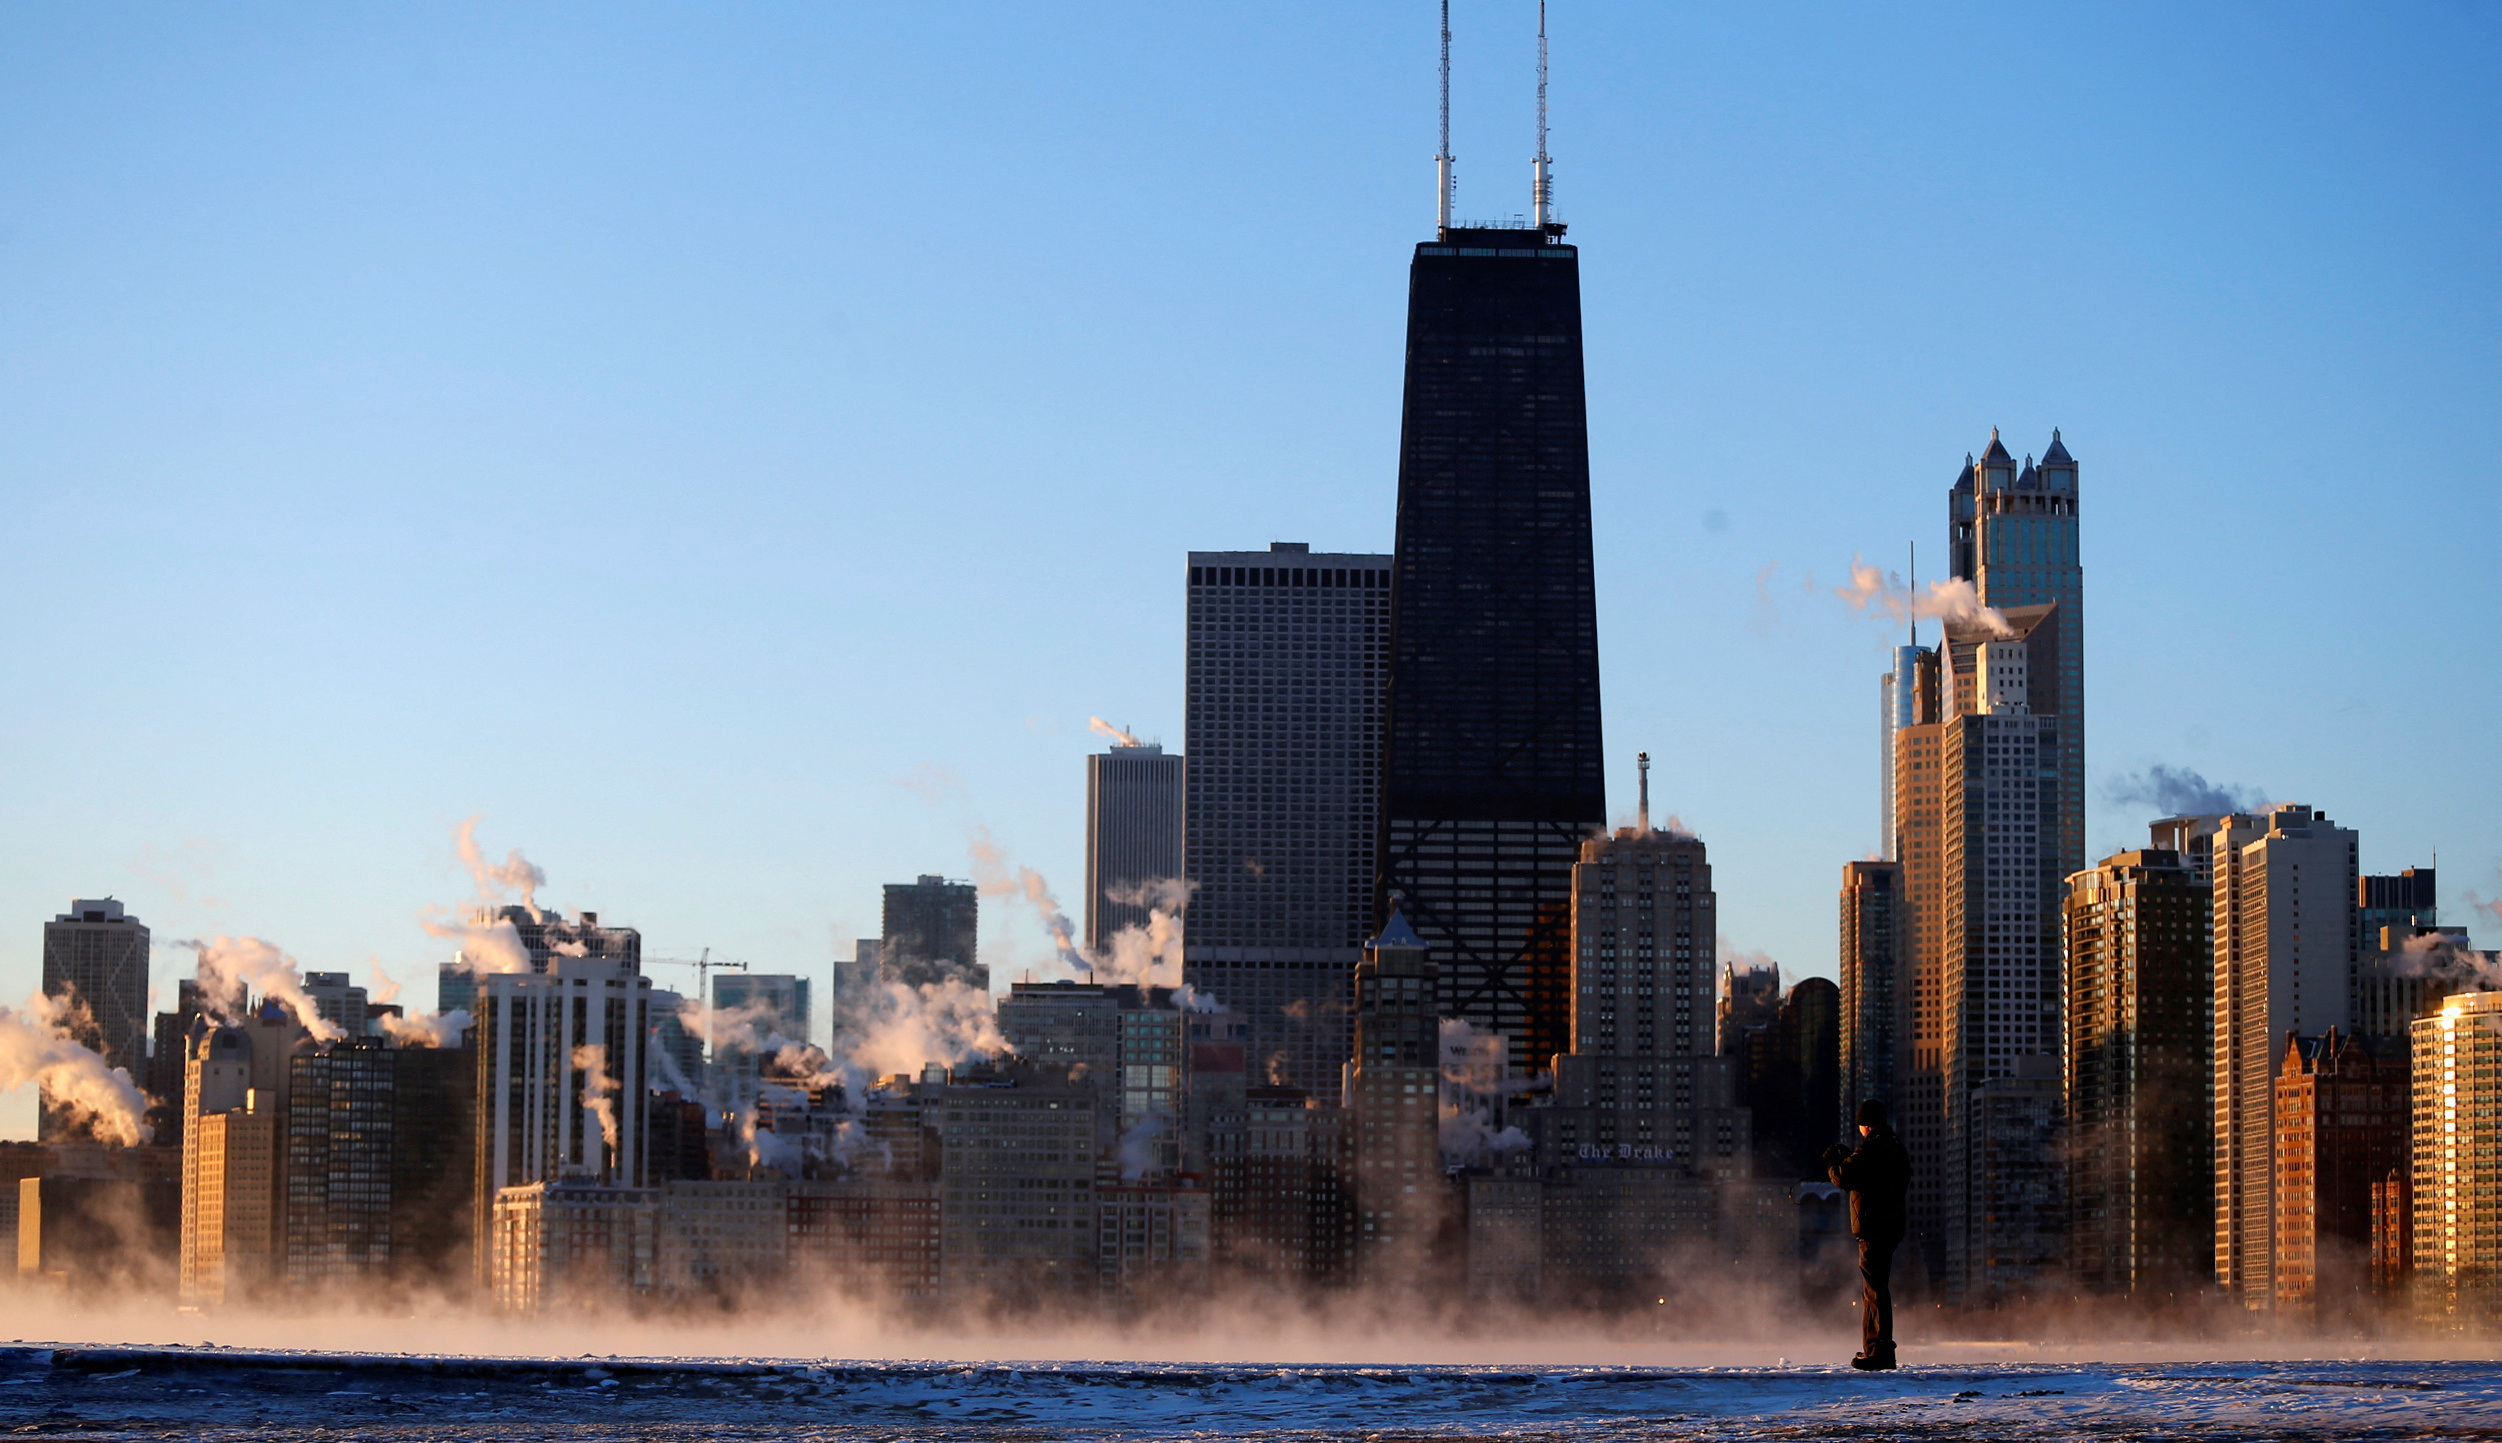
x=1642, y=818
x=1544, y=196
x=1442, y=157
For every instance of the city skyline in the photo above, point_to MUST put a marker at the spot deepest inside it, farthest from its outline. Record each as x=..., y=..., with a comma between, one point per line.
x=331, y=860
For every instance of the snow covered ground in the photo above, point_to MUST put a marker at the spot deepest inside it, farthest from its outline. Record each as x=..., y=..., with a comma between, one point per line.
x=156, y=1392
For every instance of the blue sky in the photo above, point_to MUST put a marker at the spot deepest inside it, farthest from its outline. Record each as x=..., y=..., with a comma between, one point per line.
x=732, y=450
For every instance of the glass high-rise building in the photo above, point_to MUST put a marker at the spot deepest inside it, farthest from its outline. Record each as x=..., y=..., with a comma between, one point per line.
x=1493, y=763
x=1287, y=659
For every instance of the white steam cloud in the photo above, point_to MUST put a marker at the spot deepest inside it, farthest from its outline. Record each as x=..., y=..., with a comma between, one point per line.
x=1144, y=955
x=1103, y=728
x=1476, y=1081
x=599, y=1090
x=2444, y=960
x=36, y=1047
x=1952, y=600
x=491, y=948
x=233, y=969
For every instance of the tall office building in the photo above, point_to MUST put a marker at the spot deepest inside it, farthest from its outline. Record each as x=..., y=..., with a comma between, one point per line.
x=2457, y=1057
x=563, y=1083
x=2139, y=986
x=1288, y=660
x=2283, y=937
x=766, y=1005
x=1875, y=1007
x=1494, y=770
x=931, y=931
x=2014, y=535
x=379, y=1149
x=95, y=958
x=1133, y=836
x=2405, y=900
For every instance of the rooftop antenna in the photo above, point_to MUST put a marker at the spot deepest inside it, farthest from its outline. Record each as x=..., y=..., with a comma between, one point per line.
x=1442, y=158
x=1642, y=818
x=1914, y=589
x=1544, y=200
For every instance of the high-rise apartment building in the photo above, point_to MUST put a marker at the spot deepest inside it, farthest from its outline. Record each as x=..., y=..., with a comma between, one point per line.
x=1288, y=665
x=2343, y=1125
x=1494, y=769
x=1018, y=1214
x=337, y=1000
x=1788, y=1076
x=1643, y=1071
x=95, y=959
x=1393, y=1101
x=563, y=1083
x=1133, y=837
x=2457, y=1058
x=932, y=927
x=545, y=935
x=1978, y=815
x=234, y=1157
x=1874, y=1002
x=2139, y=986
x=2283, y=937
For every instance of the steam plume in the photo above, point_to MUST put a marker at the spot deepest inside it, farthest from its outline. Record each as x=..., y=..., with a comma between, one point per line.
x=487, y=949
x=1103, y=728
x=1476, y=1079
x=1952, y=600
x=35, y=1047
x=494, y=880
x=2442, y=959
x=992, y=872
x=234, y=968
x=2180, y=792
x=599, y=1090
x=434, y=1029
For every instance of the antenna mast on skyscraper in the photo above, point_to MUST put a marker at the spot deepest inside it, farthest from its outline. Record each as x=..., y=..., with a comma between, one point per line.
x=1642, y=818
x=1545, y=196
x=1914, y=589
x=1442, y=158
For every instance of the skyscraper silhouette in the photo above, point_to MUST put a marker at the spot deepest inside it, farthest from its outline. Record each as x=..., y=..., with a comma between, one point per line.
x=1492, y=767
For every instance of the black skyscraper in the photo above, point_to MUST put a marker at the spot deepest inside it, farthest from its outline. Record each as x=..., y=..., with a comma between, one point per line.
x=1492, y=771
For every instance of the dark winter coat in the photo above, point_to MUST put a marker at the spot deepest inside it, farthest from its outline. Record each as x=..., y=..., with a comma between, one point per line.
x=1878, y=1178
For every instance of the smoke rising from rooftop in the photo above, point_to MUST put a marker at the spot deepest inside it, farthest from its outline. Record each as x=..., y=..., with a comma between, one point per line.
x=2180, y=792
x=233, y=970
x=1120, y=738
x=1952, y=600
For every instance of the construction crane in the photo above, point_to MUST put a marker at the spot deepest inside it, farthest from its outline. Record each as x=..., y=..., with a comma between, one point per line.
x=703, y=965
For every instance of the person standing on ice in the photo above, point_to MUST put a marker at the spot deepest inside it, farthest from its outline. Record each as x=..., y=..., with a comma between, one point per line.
x=1877, y=1175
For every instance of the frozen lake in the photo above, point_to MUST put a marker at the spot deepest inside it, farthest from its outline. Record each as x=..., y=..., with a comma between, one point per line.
x=93, y=1392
